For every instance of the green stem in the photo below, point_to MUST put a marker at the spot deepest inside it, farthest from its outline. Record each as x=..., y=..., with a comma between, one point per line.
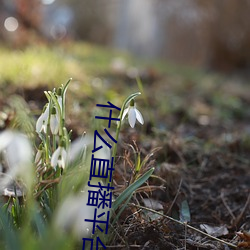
x=54, y=142
x=63, y=101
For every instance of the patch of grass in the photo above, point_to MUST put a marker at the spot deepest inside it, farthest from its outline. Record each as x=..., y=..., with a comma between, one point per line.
x=37, y=65
x=34, y=65
x=94, y=59
x=52, y=64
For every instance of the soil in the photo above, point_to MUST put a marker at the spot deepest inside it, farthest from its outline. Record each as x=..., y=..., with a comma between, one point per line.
x=204, y=164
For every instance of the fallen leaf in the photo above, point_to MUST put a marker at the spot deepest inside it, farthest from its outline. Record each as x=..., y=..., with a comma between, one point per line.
x=215, y=231
x=245, y=236
x=155, y=205
x=152, y=204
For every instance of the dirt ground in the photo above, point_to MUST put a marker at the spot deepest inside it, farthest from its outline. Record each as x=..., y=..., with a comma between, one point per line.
x=202, y=170
x=200, y=136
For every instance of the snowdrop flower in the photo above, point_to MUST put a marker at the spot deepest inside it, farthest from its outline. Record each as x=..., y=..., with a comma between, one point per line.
x=133, y=114
x=59, y=97
x=79, y=152
x=59, y=157
x=71, y=214
x=17, y=152
x=78, y=148
x=54, y=121
x=42, y=122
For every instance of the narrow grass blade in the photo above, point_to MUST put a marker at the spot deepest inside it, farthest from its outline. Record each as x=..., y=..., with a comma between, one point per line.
x=11, y=239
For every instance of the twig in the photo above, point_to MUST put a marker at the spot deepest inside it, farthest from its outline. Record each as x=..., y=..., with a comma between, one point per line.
x=48, y=185
x=122, y=246
x=185, y=242
x=227, y=207
x=184, y=224
x=118, y=234
x=173, y=202
x=237, y=220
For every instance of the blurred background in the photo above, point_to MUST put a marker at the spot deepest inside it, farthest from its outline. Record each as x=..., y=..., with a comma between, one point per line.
x=193, y=60
x=211, y=34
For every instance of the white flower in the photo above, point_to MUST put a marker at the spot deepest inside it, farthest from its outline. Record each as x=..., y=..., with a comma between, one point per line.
x=17, y=152
x=133, y=114
x=77, y=149
x=59, y=157
x=59, y=99
x=42, y=122
x=71, y=213
x=54, y=121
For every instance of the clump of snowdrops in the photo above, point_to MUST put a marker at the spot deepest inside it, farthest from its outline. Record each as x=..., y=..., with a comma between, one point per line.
x=45, y=176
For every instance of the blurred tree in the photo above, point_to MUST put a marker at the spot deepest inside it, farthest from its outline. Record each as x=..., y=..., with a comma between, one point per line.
x=229, y=34
x=211, y=33
x=26, y=16
x=29, y=14
x=92, y=20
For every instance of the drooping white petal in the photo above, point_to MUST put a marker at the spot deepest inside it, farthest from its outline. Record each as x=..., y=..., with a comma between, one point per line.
x=5, y=139
x=46, y=112
x=124, y=113
x=67, y=213
x=18, y=156
x=55, y=156
x=132, y=117
x=78, y=148
x=62, y=161
x=133, y=114
x=44, y=127
x=139, y=116
x=59, y=99
x=42, y=121
x=54, y=124
x=19, y=151
x=64, y=154
x=59, y=157
x=71, y=214
x=39, y=123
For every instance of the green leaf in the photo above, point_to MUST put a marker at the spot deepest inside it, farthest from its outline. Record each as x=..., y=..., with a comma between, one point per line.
x=122, y=209
x=184, y=212
x=39, y=222
x=11, y=237
x=138, y=163
x=128, y=191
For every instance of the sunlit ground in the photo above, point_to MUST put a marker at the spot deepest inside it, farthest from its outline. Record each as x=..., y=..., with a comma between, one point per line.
x=198, y=119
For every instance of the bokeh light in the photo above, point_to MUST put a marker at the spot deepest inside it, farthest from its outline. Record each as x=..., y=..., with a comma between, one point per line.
x=58, y=31
x=11, y=24
x=48, y=2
